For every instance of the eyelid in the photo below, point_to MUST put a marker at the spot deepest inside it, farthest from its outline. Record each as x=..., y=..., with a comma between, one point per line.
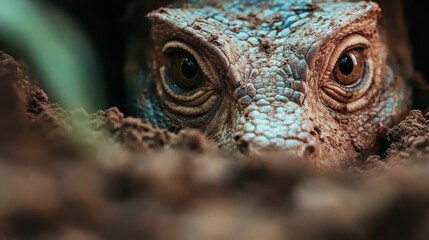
x=353, y=41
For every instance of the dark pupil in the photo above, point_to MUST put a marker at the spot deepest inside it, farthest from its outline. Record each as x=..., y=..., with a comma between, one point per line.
x=346, y=65
x=189, y=67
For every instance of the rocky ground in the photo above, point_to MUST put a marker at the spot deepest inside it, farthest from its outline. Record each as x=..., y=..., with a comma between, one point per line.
x=70, y=175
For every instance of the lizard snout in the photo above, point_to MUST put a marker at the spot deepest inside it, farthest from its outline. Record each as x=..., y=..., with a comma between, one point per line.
x=275, y=127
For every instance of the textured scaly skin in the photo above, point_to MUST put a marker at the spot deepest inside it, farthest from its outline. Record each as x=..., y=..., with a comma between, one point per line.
x=269, y=65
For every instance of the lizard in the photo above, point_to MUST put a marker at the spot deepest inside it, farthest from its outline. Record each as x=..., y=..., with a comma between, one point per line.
x=305, y=77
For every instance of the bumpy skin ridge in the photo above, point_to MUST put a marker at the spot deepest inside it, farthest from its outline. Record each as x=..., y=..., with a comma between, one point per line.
x=270, y=58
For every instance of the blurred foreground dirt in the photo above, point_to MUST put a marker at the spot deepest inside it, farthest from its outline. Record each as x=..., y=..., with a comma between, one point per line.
x=105, y=176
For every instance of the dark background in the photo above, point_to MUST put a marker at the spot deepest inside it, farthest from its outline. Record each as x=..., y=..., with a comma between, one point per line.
x=110, y=23
x=417, y=20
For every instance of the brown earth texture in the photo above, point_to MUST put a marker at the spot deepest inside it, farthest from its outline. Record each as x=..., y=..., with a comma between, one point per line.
x=70, y=175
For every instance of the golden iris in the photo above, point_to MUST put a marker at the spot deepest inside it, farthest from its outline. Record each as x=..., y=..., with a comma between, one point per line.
x=350, y=67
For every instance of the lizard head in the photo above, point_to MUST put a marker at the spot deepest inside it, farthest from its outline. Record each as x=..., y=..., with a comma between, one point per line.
x=308, y=78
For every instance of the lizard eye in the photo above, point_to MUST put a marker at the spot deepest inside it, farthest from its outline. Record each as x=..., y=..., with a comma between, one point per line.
x=186, y=73
x=350, y=67
x=187, y=85
x=348, y=75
